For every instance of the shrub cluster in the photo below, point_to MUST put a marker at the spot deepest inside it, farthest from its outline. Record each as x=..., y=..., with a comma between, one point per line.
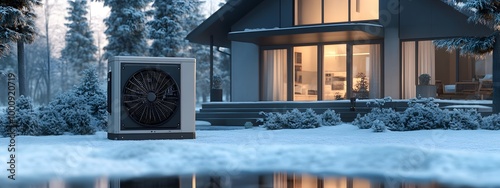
x=491, y=122
x=296, y=119
x=423, y=115
x=81, y=111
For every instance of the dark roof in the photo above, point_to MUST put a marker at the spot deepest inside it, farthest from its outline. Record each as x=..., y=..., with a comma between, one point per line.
x=219, y=24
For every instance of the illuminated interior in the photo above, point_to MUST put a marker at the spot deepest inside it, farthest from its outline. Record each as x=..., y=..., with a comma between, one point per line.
x=308, y=12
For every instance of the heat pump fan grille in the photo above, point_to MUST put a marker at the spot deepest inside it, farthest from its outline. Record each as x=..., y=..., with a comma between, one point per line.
x=151, y=97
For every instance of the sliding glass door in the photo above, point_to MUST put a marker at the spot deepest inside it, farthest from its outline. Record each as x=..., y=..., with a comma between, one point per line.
x=321, y=72
x=334, y=72
x=305, y=71
x=366, y=67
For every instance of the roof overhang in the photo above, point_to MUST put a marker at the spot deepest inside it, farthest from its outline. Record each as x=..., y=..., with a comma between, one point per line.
x=218, y=25
x=310, y=34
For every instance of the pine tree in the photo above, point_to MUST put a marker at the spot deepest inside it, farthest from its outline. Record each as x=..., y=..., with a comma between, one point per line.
x=94, y=96
x=126, y=28
x=484, y=13
x=168, y=28
x=201, y=53
x=80, y=50
x=17, y=25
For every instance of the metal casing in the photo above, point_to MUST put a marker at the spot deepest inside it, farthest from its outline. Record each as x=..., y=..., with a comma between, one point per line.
x=187, y=87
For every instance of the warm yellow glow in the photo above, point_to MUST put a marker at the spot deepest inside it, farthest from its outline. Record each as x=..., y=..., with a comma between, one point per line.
x=339, y=55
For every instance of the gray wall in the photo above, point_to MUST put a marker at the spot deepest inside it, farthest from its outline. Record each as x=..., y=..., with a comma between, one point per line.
x=265, y=15
x=389, y=18
x=245, y=72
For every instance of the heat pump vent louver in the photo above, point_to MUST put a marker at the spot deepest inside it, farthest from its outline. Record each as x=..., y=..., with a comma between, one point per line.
x=151, y=97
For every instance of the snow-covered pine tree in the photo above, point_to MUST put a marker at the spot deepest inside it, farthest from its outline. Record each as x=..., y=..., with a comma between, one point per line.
x=201, y=53
x=80, y=50
x=16, y=23
x=487, y=13
x=94, y=96
x=126, y=28
x=25, y=117
x=168, y=29
x=51, y=122
x=73, y=109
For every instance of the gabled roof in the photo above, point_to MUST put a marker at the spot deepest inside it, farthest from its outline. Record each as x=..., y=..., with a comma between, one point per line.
x=219, y=24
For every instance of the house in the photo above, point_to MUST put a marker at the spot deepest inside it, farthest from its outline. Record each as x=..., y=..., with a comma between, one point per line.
x=320, y=50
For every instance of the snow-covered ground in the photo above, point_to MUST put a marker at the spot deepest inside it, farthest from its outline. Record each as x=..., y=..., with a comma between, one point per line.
x=469, y=157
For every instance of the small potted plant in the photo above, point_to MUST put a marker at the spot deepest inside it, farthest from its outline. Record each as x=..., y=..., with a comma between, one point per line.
x=424, y=89
x=216, y=91
x=424, y=79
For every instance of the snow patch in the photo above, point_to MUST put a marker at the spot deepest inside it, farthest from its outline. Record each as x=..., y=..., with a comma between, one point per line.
x=459, y=157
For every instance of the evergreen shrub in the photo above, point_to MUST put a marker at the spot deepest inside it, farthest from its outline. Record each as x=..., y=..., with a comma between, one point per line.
x=295, y=119
x=491, y=122
x=330, y=118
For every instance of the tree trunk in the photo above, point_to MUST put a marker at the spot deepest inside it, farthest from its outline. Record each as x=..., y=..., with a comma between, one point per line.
x=48, y=48
x=496, y=74
x=21, y=68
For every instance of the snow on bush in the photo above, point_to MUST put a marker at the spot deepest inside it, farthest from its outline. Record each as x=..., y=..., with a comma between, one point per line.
x=423, y=114
x=378, y=126
x=378, y=102
x=51, y=122
x=388, y=116
x=25, y=118
x=461, y=119
x=309, y=120
x=330, y=118
x=74, y=110
x=94, y=97
x=491, y=122
x=272, y=120
x=295, y=119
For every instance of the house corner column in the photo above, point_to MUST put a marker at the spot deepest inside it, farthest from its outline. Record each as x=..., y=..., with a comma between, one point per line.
x=496, y=74
x=392, y=65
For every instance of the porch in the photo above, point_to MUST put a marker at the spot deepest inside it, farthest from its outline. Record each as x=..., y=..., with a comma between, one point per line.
x=237, y=113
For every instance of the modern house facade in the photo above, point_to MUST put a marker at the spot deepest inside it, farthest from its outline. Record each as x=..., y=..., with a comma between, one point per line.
x=320, y=50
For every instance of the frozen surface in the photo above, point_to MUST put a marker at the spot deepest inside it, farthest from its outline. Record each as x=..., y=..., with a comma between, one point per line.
x=470, y=157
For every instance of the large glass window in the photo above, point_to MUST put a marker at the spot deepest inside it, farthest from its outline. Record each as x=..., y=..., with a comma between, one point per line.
x=306, y=12
x=335, y=11
x=455, y=76
x=305, y=73
x=274, y=83
x=364, y=10
x=334, y=72
x=366, y=71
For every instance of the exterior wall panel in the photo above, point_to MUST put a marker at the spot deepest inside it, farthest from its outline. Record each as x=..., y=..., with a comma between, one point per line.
x=245, y=72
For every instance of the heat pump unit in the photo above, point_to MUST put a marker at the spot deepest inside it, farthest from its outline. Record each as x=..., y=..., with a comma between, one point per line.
x=151, y=98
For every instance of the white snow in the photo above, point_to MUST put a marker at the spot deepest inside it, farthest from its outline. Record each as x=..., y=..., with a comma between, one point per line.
x=468, y=157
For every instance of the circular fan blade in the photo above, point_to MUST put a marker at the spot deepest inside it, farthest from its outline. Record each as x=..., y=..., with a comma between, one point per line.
x=151, y=97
